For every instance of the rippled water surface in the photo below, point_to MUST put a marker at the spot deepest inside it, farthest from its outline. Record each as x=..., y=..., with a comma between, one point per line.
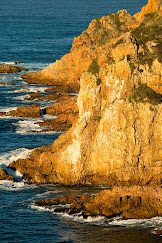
x=36, y=33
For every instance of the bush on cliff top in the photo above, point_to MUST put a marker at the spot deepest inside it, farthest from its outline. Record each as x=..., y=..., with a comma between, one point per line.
x=94, y=67
x=144, y=34
x=145, y=94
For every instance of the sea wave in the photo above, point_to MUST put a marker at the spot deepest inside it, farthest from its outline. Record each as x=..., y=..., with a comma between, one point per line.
x=7, y=109
x=10, y=156
x=28, y=126
x=14, y=186
x=8, y=63
x=118, y=221
x=144, y=223
x=21, y=97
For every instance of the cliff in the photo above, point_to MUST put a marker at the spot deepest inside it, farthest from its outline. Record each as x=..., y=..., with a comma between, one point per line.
x=117, y=137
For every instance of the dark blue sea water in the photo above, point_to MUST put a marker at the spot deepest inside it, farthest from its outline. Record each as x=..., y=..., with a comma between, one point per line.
x=36, y=33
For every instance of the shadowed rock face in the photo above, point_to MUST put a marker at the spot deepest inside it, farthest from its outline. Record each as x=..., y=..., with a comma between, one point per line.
x=11, y=69
x=116, y=139
x=134, y=202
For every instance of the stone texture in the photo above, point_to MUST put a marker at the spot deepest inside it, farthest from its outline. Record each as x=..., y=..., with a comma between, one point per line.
x=152, y=6
x=25, y=111
x=5, y=176
x=63, y=107
x=11, y=69
x=62, y=123
x=54, y=96
x=129, y=203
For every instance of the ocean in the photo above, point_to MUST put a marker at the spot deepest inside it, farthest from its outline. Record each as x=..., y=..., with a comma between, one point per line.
x=37, y=33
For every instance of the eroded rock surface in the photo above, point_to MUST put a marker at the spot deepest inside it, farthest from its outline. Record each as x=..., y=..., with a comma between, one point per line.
x=11, y=69
x=4, y=175
x=134, y=202
x=25, y=111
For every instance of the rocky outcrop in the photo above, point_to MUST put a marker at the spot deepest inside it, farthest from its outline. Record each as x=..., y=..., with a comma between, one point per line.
x=4, y=175
x=62, y=123
x=54, y=96
x=152, y=6
x=66, y=112
x=116, y=139
x=11, y=69
x=63, y=107
x=128, y=203
x=25, y=111
x=64, y=88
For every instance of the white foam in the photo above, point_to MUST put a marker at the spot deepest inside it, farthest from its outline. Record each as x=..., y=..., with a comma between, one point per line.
x=153, y=222
x=28, y=126
x=24, y=90
x=7, y=109
x=13, y=155
x=49, y=117
x=28, y=89
x=10, y=156
x=91, y=219
x=8, y=63
x=47, y=193
x=14, y=186
x=3, y=78
x=154, y=231
x=35, y=89
x=18, y=78
x=40, y=208
x=21, y=97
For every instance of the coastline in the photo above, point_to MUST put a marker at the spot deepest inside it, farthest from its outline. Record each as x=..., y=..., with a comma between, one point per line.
x=115, y=139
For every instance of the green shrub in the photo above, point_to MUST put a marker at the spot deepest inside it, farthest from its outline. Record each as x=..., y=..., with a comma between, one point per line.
x=98, y=25
x=110, y=60
x=144, y=34
x=94, y=67
x=104, y=37
x=117, y=22
x=145, y=94
x=98, y=82
x=128, y=58
x=131, y=63
x=97, y=118
x=146, y=59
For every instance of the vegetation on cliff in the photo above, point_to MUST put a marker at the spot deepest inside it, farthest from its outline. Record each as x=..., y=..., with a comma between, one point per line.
x=145, y=94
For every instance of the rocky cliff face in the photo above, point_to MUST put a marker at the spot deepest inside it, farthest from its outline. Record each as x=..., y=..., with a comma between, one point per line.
x=117, y=137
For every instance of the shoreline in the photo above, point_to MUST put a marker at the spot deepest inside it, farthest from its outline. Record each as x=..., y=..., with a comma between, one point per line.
x=115, y=138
